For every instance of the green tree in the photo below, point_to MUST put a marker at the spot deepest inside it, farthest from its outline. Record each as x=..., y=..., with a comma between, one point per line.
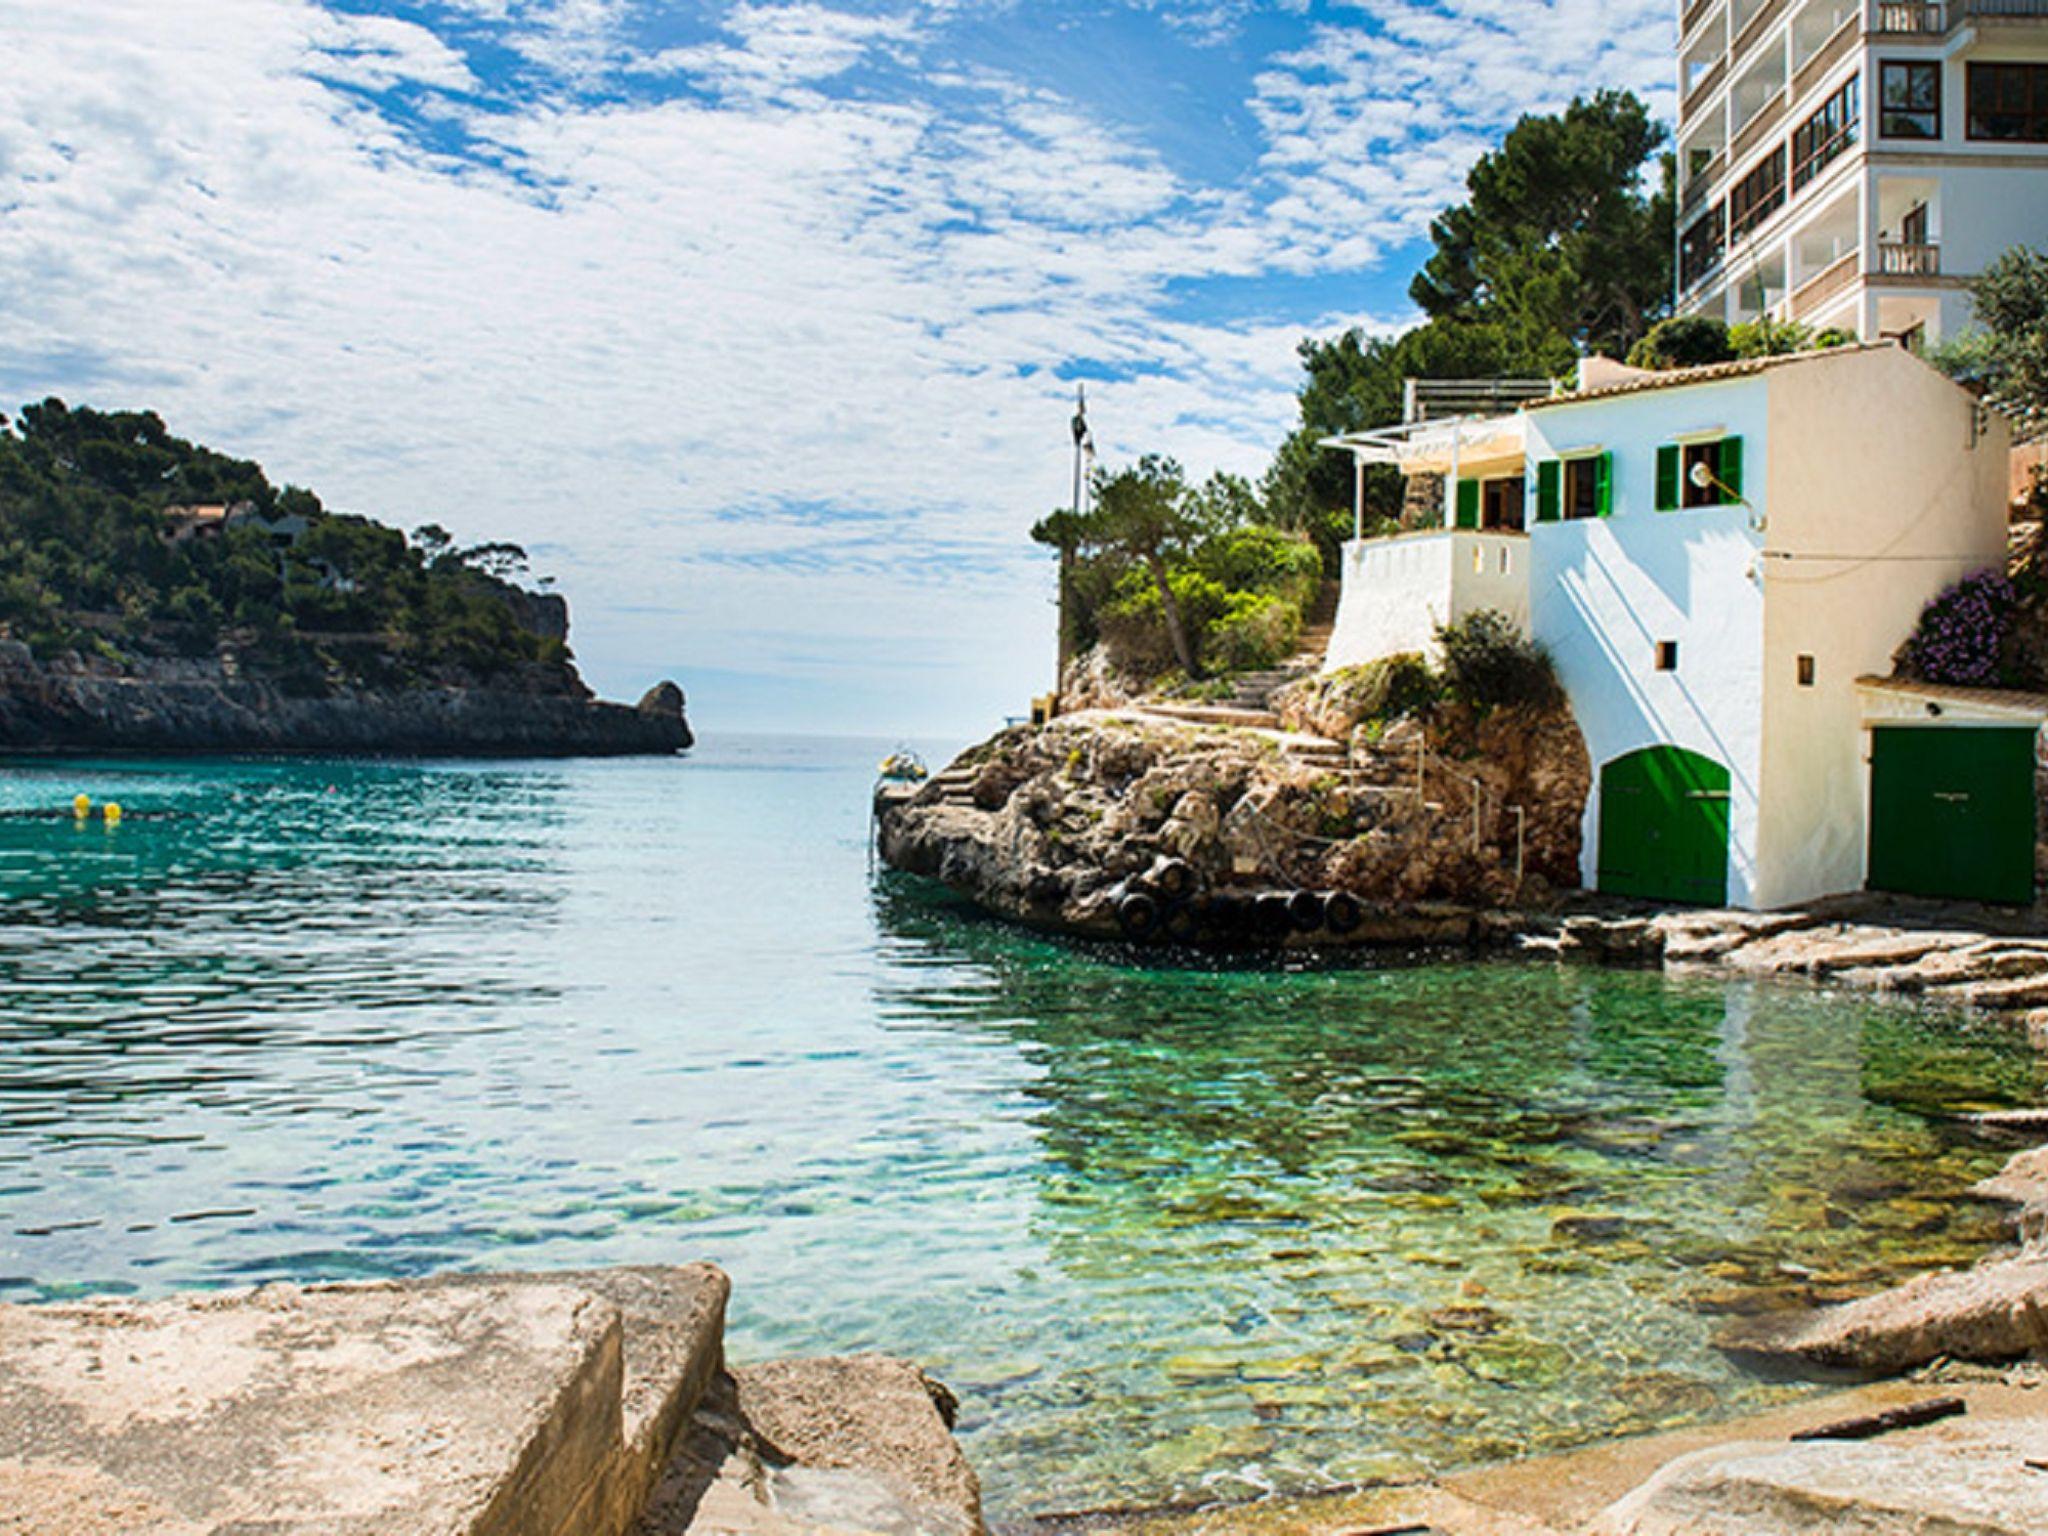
x=1142, y=514
x=2006, y=353
x=1560, y=241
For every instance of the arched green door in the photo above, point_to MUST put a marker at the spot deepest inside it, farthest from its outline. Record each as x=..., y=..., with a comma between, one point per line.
x=1664, y=827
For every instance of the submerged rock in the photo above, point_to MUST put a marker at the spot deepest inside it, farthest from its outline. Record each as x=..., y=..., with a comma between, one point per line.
x=1997, y=1311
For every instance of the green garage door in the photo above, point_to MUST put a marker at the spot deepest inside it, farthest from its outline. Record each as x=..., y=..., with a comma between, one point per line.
x=1664, y=826
x=1952, y=812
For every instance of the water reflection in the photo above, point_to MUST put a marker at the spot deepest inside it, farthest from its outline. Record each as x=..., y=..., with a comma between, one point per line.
x=1364, y=1223
x=1165, y=1227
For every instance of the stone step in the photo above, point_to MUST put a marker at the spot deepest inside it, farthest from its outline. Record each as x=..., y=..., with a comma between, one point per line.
x=493, y=1405
x=1217, y=714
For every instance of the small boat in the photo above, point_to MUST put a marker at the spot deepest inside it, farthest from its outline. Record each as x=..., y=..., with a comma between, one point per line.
x=903, y=767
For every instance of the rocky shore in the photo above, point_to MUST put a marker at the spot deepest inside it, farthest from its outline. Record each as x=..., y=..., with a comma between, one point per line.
x=585, y=1403
x=211, y=704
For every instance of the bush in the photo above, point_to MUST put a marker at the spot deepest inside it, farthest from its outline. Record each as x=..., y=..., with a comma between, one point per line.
x=1683, y=341
x=1488, y=661
x=1256, y=630
x=1962, y=635
x=1259, y=559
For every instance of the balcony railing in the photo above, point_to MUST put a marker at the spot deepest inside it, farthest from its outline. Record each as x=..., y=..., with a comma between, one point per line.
x=1895, y=18
x=1931, y=18
x=1824, y=285
x=1898, y=259
x=1704, y=88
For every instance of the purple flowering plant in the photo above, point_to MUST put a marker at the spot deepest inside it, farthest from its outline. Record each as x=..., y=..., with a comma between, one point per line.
x=1961, y=637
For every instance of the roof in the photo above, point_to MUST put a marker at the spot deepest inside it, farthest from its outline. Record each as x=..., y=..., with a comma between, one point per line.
x=2002, y=700
x=1711, y=373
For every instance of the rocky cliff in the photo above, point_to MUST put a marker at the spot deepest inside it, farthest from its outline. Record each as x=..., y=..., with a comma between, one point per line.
x=213, y=704
x=1137, y=824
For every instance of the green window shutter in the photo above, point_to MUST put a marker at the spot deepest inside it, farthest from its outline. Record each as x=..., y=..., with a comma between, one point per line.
x=1668, y=459
x=1730, y=469
x=1549, y=490
x=1468, y=503
x=1603, y=485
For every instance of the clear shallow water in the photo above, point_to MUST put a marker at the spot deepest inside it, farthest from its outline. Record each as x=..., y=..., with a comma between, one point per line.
x=1167, y=1230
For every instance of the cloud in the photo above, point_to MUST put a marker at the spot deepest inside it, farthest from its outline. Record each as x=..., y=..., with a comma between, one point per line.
x=662, y=306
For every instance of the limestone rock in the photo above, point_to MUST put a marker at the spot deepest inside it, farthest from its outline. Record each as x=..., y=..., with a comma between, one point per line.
x=1997, y=1311
x=828, y=1447
x=1974, y=1483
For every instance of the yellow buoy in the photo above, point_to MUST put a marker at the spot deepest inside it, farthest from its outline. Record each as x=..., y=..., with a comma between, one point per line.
x=81, y=805
x=113, y=813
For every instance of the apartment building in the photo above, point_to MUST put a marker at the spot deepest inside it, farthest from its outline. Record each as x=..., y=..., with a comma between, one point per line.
x=1853, y=163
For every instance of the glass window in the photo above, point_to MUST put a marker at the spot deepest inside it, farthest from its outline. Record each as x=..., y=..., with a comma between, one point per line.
x=1757, y=196
x=1700, y=247
x=2009, y=102
x=1827, y=133
x=1581, y=488
x=1909, y=100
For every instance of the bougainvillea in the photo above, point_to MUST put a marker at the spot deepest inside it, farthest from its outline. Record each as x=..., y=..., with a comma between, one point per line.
x=1961, y=636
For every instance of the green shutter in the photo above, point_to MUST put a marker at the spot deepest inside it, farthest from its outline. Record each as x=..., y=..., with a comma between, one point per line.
x=1730, y=469
x=1468, y=503
x=1549, y=475
x=1603, y=485
x=1669, y=458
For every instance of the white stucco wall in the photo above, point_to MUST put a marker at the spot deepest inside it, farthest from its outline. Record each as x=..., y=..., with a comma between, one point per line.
x=1605, y=591
x=1398, y=590
x=1875, y=465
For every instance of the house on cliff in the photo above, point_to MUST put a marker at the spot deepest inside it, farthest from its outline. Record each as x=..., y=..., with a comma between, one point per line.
x=1721, y=562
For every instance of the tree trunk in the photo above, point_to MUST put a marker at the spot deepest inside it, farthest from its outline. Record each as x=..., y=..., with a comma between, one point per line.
x=1175, y=630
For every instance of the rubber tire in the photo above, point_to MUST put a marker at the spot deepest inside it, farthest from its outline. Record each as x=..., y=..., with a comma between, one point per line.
x=1305, y=911
x=1138, y=916
x=1343, y=913
x=1272, y=918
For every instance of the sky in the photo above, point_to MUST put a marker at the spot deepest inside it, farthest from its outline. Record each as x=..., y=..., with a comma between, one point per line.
x=757, y=323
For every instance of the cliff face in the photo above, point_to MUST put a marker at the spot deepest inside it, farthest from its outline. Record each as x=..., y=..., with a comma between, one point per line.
x=1122, y=823
x=206, y=704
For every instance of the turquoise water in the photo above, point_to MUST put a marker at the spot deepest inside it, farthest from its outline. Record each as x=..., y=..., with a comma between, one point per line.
x=1168, y=1230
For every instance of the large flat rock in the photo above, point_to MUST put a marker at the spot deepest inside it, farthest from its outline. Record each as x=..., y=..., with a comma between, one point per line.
x=511, y=1405
x=1974, y=1483
x=1997, y=1311
x=481, y=1411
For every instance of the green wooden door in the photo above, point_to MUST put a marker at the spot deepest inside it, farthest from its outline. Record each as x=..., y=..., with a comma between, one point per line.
x=1664, y=827
x=1952, y=812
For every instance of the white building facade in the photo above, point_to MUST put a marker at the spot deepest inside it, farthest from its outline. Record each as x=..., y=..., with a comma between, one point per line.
x=1854, y=163
x=1758, y=549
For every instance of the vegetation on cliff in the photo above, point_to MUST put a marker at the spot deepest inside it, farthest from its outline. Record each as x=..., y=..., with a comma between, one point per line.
x=121, y=541
x=1174, y=580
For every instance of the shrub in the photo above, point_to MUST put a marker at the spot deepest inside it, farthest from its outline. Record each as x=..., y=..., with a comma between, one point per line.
x=1488, y=661
x=1683, y=341
x=1132, y=625
x=1259, y=559
x=1256, y=630
x=1962, y=635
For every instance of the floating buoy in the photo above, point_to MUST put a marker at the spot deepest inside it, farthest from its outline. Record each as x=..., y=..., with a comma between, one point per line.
x=81, y=806
x=112, y=812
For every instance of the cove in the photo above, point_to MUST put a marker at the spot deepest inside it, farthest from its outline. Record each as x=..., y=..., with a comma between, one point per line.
x=1169, y=1230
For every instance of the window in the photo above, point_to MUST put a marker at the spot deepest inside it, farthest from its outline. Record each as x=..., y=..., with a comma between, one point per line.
x=1806, y=671
x=2009, y=103
x=1503, y=503
x=1574, y=488
x=1700, y=247
x=1588, y=486
x=1677, y=463
x=1758, y=195
x=1827, y=133
x=1667, y=655
x=1909, y=100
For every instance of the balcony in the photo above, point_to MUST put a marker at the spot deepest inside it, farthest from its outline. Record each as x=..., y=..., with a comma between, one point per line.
x=1702, y=90
x=1898, y=259
x=1933, y=18
x=1895, y=18
x=1814, y=294
x=1753, y=29
x=1759, y=126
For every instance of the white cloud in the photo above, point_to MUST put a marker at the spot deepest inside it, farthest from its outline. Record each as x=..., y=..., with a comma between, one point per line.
x=653, y=337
